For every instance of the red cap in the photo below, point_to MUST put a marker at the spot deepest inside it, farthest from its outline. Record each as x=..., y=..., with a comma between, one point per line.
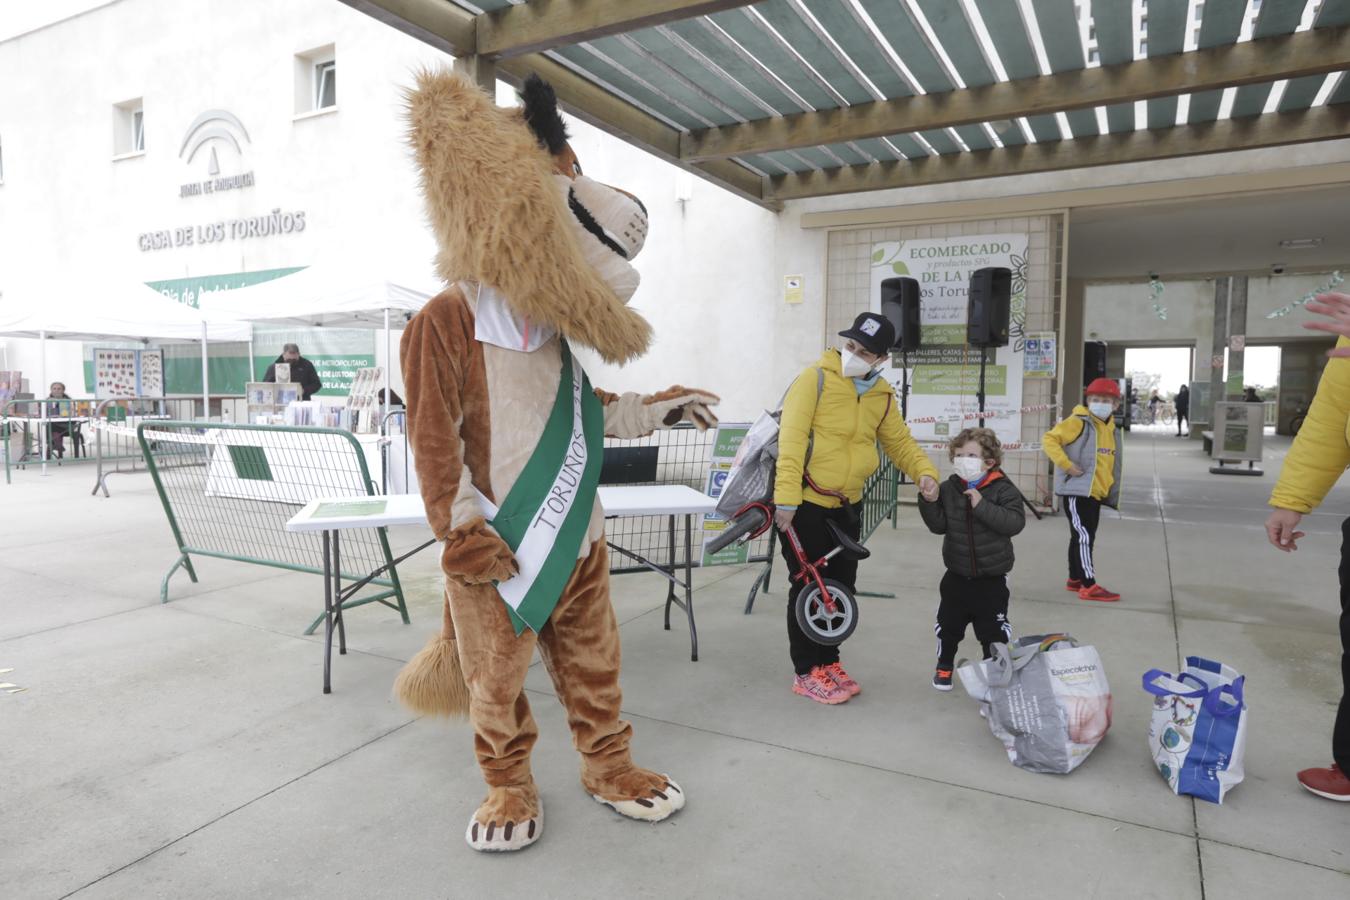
x=1105, y=387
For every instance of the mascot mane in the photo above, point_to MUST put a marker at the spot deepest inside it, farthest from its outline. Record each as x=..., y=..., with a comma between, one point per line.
x=500, y=219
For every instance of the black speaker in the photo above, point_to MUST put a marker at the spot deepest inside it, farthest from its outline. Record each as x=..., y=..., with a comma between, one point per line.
x=1094, y=361
x=989, y=306
x=900, y=304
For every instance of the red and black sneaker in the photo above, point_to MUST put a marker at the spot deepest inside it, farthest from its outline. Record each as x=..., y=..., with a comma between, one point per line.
x=942, y=679
x=1097, y=592
x=1329, y=783
x=1073, y=585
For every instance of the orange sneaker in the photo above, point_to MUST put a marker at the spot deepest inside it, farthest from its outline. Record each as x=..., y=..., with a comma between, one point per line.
x=1073, y=585
x=1329, y=783
x=1097, y=592
x=820, y=687
x=942, y=679
x=843, y=679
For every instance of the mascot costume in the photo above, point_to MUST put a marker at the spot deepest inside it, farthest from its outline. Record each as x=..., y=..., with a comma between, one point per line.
x=508, y=434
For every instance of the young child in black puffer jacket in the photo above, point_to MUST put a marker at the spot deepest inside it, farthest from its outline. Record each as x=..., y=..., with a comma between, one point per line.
x=978, y=510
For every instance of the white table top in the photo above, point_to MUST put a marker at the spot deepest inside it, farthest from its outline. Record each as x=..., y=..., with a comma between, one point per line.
x=338, y=513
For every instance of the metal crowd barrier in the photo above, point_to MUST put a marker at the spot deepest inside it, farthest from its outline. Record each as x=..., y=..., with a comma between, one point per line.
x=228, y=491
x=395, y=463
x=116, y=447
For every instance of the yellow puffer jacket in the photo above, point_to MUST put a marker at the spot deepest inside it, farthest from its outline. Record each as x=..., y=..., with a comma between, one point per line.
x=846, y=428
x=1321, y=451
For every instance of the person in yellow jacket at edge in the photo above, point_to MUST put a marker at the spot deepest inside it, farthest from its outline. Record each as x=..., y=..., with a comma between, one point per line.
x=833, y=416
x=1315, y=463
x=1087, y=477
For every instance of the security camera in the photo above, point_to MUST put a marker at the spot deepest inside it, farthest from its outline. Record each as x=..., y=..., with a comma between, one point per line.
x=1277, y=269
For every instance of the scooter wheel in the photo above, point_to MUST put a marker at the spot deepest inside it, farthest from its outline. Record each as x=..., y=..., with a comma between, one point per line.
x=820, y=624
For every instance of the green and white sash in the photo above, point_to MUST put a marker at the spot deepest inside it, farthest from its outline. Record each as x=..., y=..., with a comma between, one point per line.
x=546, y=515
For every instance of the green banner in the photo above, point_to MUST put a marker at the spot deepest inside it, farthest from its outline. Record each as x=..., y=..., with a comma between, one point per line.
x=190, y=290
x=931, y=380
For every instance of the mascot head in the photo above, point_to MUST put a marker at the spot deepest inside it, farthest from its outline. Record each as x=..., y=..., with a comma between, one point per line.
x=511, y=208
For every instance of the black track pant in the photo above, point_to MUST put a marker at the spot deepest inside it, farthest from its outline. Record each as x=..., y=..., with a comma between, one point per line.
x=982, y=602
x=1083, y=513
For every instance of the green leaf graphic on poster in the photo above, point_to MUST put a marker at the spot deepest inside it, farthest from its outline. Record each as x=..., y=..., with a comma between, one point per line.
x=900, y=268
x=878, y=256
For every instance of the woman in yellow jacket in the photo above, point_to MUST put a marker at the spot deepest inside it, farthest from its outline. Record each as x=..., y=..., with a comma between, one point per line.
x=833, y=416
x=1316, y=461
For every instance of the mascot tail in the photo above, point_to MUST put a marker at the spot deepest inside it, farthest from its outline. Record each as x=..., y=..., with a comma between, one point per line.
x=432, y=683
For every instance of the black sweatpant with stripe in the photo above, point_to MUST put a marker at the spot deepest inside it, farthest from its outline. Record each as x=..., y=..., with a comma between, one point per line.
x=1083, y=513
x=981, y=601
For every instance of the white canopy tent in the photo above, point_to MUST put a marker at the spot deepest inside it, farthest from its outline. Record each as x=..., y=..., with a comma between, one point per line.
x=322, y=298
x=131, y=312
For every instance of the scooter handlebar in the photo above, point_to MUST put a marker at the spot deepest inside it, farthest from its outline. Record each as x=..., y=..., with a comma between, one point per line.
x=745, y=523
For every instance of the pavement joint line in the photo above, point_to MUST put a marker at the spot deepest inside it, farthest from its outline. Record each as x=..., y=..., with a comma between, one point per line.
x=262, y=796
x=314, y=639
x=1176, y=636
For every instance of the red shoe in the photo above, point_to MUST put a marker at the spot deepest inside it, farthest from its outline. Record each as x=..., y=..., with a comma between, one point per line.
x=1330, y=783
x=1073, y=585
x=1097, y=592
x=837, y=674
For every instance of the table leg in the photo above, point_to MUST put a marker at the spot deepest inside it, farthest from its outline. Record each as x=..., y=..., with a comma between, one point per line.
x=337, y=595
x=670, y=572
x=689, y=585
x=327, y=616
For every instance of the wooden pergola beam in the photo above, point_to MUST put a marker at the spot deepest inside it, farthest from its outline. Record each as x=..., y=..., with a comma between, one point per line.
x=544, y=24
x=1315, y=52
x=596, y=106
x=436, y=22
x=1323, y=123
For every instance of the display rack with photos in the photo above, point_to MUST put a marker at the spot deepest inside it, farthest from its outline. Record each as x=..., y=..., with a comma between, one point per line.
x=363, y=400
x=128, y=373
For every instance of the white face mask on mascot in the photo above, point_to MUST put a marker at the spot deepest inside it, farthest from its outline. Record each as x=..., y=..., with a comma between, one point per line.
x=610, y=228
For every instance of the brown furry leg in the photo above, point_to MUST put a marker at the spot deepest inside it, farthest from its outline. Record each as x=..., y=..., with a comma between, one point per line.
x=580, y=647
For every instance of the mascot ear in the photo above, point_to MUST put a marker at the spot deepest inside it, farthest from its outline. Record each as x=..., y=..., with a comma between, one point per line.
x=541, y=114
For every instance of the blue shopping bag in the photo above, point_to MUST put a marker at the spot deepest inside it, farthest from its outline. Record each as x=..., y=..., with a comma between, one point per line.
x=1198, y=731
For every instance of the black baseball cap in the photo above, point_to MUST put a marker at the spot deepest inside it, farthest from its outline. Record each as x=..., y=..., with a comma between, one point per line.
x=874, y=331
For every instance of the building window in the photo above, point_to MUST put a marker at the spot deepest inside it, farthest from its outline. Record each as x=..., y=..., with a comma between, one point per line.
x=129, y=127
x=316, y=81
x=325, y=84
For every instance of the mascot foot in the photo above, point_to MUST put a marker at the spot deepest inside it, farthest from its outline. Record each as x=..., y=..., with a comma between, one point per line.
x=511, y=818
x=642, y=795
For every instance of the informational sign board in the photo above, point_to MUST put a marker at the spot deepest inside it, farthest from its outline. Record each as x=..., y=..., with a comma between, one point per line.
x=128, y=373
x=1041, y=357
x=1238, y=431
x=945, y=371
x=725, y=445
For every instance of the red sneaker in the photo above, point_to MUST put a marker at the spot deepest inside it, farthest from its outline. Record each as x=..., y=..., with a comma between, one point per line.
x=843, y=679
x=1073, y=585
x=1097, y=592
x=1330, y=783
x=819, y=687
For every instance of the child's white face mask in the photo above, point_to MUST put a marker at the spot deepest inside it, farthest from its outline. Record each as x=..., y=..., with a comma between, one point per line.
x=1101, y=410
x=968, y=467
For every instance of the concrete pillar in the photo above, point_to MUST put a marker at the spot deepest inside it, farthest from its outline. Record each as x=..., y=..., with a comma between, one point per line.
x=1237, y=326
x=1071, y=346
x=1221, y=291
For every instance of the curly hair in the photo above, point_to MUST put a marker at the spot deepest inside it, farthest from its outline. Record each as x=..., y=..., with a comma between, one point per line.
x=985, y=437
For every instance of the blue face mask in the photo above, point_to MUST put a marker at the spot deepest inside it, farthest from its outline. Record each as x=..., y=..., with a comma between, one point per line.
x=1101, y=410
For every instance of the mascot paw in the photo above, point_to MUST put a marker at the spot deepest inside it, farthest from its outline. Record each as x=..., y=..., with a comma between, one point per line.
x=475, y=554
x=653, y=797
x=511, y=818
x=681, y=404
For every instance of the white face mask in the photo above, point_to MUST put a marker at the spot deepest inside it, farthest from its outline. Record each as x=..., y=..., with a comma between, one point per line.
x=1102, y=410
x=968, y=467
x=854, y=365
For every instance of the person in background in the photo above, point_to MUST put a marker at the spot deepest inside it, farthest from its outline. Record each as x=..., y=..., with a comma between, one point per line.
x=1316, y=461
x=394, y=398
x=978, y=510
x=1183, y=405
x=1249, y=395
x=303, y=372
x=1087, y=451
x=833, y=416
x=58, y=430
x=1154, y=401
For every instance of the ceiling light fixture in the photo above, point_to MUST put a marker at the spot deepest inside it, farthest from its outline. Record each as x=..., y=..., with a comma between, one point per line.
x=1301, y=243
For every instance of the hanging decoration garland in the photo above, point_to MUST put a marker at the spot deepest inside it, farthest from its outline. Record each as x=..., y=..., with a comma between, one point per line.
x=1336, y=278
x=1155, y=288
